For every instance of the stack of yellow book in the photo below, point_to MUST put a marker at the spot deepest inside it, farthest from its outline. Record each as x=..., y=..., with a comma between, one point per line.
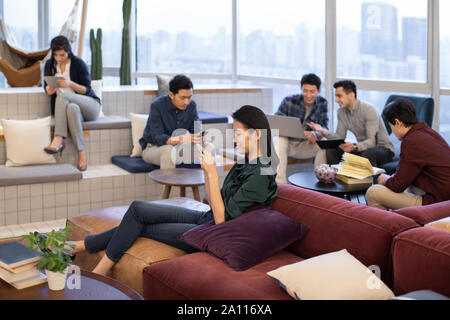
x=355, y=169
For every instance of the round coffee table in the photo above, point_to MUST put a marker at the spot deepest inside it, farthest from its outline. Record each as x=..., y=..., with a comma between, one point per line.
x=308, y=180
x=92, y=287
x=179, y=177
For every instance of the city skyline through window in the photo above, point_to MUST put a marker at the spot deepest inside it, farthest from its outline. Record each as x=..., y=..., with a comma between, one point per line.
x=382, y=40
x=376, y=40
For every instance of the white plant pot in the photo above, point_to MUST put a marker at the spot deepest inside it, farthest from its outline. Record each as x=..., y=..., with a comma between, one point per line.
x=56, y=280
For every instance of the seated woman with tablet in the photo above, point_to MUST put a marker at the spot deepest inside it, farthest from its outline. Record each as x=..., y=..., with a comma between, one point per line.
x=67, y=81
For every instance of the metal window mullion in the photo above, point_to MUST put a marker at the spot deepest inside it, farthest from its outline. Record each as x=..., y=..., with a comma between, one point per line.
x=235, y=42
x=43, y=23
x=330, y=56
x=434, y=70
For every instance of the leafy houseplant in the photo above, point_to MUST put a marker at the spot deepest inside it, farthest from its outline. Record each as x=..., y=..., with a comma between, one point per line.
x=55, y=256
x=96, y=61
x=125, y=64
x=96, y=54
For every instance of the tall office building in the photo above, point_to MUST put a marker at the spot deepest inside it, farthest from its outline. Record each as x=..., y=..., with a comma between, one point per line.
x=379, y=30
x=414, y=40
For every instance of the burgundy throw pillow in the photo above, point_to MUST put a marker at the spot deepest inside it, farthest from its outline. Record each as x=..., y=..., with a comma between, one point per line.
x=246, y=240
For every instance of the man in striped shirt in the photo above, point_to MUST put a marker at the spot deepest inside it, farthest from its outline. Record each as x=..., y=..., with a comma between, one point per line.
x=308, y=107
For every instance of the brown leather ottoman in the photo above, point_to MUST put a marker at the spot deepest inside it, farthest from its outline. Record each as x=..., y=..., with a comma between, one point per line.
x=142, y=253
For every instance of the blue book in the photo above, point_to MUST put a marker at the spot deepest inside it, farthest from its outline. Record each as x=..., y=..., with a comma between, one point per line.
x=15, y=257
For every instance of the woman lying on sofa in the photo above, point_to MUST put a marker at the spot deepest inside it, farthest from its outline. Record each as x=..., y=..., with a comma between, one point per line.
x=247, y=184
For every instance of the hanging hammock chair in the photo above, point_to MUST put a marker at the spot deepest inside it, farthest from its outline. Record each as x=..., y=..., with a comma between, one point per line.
x=23, y=68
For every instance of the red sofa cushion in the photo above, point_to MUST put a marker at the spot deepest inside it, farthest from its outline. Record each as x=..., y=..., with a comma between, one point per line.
x=201, y=276
x=335, y=224
x=248, y=239
x=426, y=214
x=421, y=261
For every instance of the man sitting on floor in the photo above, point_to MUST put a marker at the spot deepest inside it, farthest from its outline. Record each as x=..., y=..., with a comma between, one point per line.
x=424, y=165
x=169, y=132
x=308, y=107
x=362, y=119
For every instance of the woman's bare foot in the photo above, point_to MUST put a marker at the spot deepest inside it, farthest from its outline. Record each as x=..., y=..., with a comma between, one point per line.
x=104, y=266
x=79, y=247
x=57, y=142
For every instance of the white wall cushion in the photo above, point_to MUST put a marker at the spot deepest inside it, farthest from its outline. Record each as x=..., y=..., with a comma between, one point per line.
x=332, y=276
x=97, y=86
x=138, y=123
x=25, y=142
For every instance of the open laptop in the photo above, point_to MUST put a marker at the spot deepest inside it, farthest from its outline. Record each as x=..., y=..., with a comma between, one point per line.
x=287, y=126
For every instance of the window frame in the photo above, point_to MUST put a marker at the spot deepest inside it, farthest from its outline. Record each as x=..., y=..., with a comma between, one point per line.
x=431, y=87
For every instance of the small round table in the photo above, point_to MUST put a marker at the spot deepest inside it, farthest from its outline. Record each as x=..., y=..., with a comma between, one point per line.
x=179, y=177
x=308, y=180
x=92, y=287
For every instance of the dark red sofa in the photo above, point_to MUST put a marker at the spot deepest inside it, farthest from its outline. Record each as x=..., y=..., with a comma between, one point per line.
x=373, y=236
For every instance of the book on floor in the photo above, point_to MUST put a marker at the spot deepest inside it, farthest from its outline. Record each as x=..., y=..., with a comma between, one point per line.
x=348, y=180
x=15, y=257
x=357, y=167
x=29, y=282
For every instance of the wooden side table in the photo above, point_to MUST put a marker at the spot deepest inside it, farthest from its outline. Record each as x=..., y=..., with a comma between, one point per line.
x=92, y=287
x=179, y=177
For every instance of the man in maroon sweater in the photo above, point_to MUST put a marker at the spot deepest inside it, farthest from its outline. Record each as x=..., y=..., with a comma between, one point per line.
x=424, y=166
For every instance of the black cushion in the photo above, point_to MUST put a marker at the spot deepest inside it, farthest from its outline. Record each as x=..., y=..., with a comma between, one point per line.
x=208, y=117
x=137, y=165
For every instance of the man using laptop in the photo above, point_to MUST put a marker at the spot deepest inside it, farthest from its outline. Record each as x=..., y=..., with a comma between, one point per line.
x=363, y=120
x=308, y=107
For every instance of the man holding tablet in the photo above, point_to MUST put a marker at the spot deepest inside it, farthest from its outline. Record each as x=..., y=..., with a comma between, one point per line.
x=308, y=107
x=363, y=120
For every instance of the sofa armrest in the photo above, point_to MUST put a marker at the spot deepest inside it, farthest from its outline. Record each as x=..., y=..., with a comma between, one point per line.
x=426, y=214
x=421, y=261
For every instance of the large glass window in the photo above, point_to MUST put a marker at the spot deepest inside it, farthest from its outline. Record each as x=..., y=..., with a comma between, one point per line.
x=180, y=36
x=444, y=119
x=21, y=16
x=382, y=39
x=107, y=15
x=444, y=9
x=59, y=12
x=283, y=39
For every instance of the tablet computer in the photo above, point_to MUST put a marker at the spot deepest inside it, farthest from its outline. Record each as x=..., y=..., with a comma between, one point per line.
x=330, y=144
x=52, y=81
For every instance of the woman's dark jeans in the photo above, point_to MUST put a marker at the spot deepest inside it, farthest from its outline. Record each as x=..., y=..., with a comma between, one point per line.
x=160, y=222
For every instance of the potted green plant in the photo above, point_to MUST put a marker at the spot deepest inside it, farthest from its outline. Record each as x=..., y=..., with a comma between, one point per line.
x=95, y=43
x=55, y=256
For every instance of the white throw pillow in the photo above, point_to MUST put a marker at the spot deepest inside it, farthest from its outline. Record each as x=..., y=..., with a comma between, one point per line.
x=96, y=85
x=138, y=123
x=332, y=276
x=163, y=84
x=25, y=142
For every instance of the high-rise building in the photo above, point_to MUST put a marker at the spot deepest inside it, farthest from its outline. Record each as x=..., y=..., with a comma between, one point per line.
x=379, y=30
x=414, y=40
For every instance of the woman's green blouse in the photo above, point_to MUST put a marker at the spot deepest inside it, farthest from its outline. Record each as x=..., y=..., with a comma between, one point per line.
x=248, y=184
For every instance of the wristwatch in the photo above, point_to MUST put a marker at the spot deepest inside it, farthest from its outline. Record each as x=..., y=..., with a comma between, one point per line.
x=356, y=147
